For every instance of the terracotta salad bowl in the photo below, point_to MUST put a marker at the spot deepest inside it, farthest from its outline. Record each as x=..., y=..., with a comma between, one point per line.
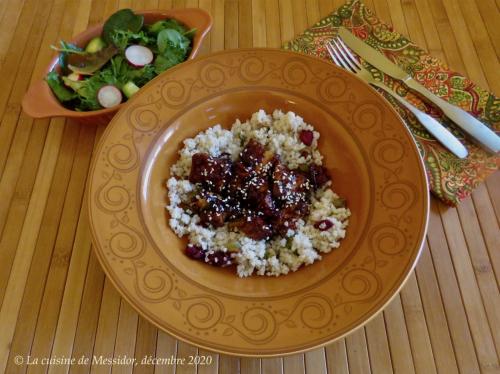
x=371, y=156
x=40, y=102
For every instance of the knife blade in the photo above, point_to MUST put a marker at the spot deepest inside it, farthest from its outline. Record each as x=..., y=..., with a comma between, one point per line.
x=477, y=130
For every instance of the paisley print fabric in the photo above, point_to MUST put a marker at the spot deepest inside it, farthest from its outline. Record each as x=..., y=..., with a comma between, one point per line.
x=450, y=179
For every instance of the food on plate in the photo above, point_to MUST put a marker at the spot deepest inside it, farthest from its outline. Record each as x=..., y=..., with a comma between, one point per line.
x=113, y=66
x=256, y=196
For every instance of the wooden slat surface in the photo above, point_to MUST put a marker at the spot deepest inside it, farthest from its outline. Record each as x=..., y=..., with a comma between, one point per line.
x=55, y=299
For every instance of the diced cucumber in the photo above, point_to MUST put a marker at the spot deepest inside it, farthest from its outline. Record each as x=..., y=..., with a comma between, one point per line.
x=129, y=89
x=95, y=45
x=233, y=246
x=339, y=202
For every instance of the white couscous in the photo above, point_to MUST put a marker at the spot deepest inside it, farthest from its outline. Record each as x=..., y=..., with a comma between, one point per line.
x=311, y=235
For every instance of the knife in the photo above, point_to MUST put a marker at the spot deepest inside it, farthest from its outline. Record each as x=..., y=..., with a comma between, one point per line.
x=477, y=130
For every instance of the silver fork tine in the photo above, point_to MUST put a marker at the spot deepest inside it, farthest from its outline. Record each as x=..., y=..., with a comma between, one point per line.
x=340, y=51
x=348, y=52
x=344, y=58
x=339, y=60
x=332, y=55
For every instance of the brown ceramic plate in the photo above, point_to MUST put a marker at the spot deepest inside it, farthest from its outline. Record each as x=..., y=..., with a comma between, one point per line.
x=374, y=163
x=40, y=102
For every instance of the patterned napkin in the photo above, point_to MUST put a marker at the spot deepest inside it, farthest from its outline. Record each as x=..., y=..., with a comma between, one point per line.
x=451, y=179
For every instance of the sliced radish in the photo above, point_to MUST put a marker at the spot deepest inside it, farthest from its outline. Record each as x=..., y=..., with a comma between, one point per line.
x=138, y=55
x=109, y=96
x=75, y=77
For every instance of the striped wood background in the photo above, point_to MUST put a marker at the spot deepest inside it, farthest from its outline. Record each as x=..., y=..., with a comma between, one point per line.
x=55, y=299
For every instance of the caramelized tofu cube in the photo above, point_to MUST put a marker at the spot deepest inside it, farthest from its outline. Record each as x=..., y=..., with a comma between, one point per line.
x=280, y=178
x=199, y=203
x=255, y=228
x=288, y=182
x=200, y=166
x=257, y=194
x=212, y=172
x=284, y=220
x=267, y=205
x=257, y=187
x=301, y=183
x=241, y=175
x=241, y=172
x=253, y=153
x=214, y=212
x=318, y=175
x=211, y=217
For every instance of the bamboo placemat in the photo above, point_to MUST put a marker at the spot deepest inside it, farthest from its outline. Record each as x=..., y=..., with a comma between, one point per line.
x=55, y=299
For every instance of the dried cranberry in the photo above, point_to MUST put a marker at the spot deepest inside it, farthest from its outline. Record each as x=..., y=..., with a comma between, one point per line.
x=304, y=153
x=219, y=258
x=306, y=137
x=323, y=225
x=195, y=252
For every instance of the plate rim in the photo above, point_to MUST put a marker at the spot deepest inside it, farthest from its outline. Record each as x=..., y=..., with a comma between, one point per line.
x=137, y=307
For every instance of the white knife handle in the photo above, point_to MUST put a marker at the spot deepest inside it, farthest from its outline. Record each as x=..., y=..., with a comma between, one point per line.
x=474, y=128
x=441, y=133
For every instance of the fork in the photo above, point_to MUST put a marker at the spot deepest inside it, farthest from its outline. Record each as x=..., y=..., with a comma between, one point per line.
x=343, y=57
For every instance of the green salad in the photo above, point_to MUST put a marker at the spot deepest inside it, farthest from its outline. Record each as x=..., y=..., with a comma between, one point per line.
x=113, y=66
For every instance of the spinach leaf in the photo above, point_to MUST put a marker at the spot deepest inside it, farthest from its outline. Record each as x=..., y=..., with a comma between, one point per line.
x=88, y=95
x=169, y=38
x=122, y=38
x=117, y=72
x=61, y=92
x=173, y=49
x=164, y=62
x=124, y=19
x=143, y=75
x=122, y=72
x=91, y=62
x=87, y=91
x=172, y=39
x=158, y=26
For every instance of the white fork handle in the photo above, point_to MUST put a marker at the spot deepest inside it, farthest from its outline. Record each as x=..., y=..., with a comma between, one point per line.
x=440, y=132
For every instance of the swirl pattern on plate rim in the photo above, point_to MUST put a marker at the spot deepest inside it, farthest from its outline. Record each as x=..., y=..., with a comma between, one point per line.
x=257, y=323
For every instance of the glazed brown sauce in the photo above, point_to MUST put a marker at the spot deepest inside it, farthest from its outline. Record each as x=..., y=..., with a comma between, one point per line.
x=256, y=194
